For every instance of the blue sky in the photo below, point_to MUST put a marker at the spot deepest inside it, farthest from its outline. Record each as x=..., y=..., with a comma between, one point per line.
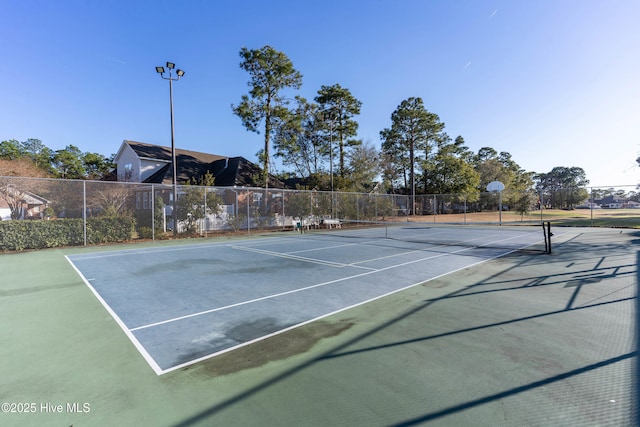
x=553, y=82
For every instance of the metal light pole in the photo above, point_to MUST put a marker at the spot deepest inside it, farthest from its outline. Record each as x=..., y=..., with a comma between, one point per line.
x=179, y=73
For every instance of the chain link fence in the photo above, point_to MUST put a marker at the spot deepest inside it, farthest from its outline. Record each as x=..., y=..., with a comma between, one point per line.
x=208, y=211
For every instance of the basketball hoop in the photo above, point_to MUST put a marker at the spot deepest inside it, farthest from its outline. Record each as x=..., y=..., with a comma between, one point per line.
x=497, y=187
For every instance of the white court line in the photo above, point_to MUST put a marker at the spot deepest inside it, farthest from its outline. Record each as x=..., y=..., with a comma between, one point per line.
x=298, y=258
x=160, y=371
x=306, y=288
x=140, y=251
x=344, y=245
x=229, y=349
x=293, y=291
x=120, y=323
x=257, y=240
x=144, y=251
x=290, y=255
x=404, y=252
x=366, y=242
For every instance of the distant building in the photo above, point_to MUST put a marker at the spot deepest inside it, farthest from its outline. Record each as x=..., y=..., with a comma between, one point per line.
x=615, y=202
x=20, y=204
x=140, y=162
x=151, y=164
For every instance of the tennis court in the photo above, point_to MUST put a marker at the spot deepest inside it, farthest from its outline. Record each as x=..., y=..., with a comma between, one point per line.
x=184, y=304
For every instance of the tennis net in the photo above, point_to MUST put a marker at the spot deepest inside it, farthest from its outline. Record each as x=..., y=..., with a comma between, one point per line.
x=533, y=238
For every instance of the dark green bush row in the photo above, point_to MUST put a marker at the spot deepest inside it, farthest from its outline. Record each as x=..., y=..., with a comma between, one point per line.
x=36, y=234
x=107, y=230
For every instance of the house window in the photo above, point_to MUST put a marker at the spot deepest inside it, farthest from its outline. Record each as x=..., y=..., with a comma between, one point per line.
x=145, y=200
x=128, y=171
x=137, y=200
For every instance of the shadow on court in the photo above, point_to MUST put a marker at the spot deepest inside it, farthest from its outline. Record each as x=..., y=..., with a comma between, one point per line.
x=523, y=340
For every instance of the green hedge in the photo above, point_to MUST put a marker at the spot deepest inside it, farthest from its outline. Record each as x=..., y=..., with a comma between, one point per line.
x=40, y=234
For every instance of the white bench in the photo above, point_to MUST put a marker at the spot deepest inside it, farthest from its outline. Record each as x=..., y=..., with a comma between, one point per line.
x=331, y=223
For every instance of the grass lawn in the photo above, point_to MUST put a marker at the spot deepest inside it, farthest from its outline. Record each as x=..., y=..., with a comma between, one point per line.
x=617, y=218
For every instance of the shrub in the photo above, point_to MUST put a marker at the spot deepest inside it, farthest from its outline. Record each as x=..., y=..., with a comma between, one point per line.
x=145, y=232
x=109, y=229
x=18, y=235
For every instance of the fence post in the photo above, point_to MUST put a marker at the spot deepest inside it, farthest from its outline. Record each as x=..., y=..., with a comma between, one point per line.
x=435, y=208
x=541, y=205
x=153, y=213
x=591, y=206
x=248, y=214
x=84, y=210
x=283, y=193
x=204, y=220
x=500, y=206
x=375, y=204
x=465, y=209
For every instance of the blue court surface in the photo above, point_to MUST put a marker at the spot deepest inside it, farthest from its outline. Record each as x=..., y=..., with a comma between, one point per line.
x=183, y=304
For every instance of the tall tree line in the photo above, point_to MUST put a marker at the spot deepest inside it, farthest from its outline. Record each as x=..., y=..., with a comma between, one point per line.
x=317, y=141
x=307, y=136
x=67, y=163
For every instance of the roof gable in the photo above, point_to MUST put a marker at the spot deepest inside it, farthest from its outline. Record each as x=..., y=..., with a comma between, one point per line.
x=228, y=171
x=23, y=196
x=158, y=152
x=613, y=199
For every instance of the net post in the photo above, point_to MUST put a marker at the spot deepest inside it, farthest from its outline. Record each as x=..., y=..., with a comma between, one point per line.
x=546, y=230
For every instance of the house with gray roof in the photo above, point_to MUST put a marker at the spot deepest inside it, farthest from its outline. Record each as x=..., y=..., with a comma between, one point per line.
x=151, y=164
x=140, y=162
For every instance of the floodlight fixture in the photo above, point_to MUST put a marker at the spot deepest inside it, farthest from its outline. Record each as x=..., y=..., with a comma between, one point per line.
x=180, y=73
x=170, y=65
x=160, y=70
